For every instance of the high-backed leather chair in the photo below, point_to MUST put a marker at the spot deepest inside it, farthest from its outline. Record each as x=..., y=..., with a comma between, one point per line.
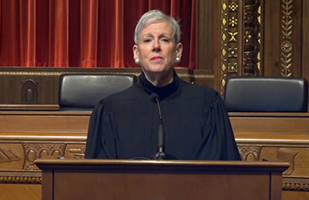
x=83, y=91
x=266, y=94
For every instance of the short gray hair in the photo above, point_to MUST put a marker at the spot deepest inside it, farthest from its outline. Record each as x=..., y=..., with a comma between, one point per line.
x=155, y=16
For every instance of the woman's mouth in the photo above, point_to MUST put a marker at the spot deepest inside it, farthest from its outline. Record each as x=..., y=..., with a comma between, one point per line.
x=156, y=58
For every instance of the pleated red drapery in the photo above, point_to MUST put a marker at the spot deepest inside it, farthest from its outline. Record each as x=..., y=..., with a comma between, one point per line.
x=83, y=33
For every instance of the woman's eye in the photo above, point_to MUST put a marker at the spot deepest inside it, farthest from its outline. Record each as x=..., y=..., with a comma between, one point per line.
x=147, y=40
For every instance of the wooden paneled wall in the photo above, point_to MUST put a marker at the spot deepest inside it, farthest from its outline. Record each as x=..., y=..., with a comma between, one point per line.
x=24, y=86
x=252, y=38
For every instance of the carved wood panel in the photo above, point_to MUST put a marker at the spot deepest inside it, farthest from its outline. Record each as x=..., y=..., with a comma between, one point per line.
x=19, y=156
x=253, y=38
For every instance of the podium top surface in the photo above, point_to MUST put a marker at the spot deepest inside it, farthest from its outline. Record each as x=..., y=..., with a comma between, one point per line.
x=161, y=165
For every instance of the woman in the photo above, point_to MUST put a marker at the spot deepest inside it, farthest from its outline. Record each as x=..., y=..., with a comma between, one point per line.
x=189, y=121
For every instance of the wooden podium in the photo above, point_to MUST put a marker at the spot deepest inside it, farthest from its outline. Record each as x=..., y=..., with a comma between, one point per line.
x=84, y=179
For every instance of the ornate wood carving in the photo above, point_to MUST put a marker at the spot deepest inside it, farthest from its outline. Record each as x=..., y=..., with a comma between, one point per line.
x=254, y=38
x=26, y=171
x=6, y=155
x=256, y=152
x=288, y=155
x=286, y=44
x=29, y=92
x=240, y=39
x=251, y=37
x=21, y=179
x=35, y=151
x=250, y=153
x=296, y=185
x=224, y=46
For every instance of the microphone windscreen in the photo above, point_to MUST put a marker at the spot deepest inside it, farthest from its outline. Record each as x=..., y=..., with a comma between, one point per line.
x=154, y=97
x=161, y=136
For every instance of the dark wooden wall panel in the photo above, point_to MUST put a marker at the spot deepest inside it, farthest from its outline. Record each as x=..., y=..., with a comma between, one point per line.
x=40, y=86
x=305, y=39
x=205, y=34
x=252, y=38
x=283, y=38
x=29, y=89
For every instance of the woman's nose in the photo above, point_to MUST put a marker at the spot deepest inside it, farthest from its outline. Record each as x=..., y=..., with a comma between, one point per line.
x=156, y=46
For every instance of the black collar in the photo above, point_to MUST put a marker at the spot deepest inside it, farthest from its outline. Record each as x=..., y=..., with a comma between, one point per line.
x=162, y=92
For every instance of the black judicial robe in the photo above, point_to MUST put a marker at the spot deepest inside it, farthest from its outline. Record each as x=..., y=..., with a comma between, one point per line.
x=196, y=124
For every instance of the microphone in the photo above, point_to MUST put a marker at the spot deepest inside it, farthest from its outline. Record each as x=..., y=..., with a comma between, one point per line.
x=160, y=155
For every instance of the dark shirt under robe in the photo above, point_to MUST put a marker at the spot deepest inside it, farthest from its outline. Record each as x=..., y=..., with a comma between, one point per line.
x=196, y=124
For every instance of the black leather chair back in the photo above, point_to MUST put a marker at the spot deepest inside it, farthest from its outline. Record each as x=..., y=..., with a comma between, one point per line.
x=84, y=91
x=266, y=94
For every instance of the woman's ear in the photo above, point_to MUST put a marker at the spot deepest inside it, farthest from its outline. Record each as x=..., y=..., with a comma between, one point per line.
x=135, y=52
x=179, y=49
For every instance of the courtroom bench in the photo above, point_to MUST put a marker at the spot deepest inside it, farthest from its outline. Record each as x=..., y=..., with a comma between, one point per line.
x=29, y=135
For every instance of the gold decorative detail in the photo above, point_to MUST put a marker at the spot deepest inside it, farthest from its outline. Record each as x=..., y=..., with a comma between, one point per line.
x=223, y=67
x=223, y=22
x=223, y=6
x=287, y=21
x=233, y=36
x=223, y=52
x=251, y=37
x=223, y=82
x=286, y=45
x=233, y=21
x=227, y=45
x=223, y=37
x=286, y=64
x=31, y=73
x=232, y=52
x=232, y=67
x=233, y=6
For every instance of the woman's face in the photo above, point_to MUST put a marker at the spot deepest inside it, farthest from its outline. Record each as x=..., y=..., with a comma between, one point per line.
x=157, y=50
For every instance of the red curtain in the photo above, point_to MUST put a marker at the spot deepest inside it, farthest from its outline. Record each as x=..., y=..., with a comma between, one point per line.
x=83, y=33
